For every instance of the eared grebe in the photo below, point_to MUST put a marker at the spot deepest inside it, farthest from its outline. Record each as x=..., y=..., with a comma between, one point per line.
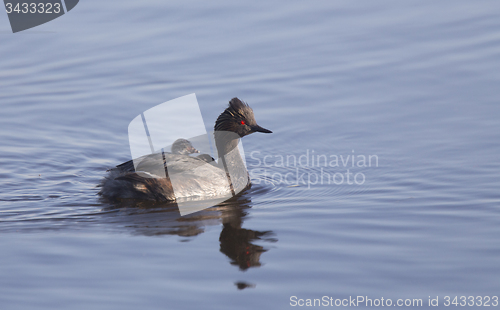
x=195, y=177
x=183, y=147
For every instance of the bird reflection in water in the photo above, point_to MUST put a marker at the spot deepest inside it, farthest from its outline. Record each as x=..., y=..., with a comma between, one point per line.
x=155, y=218
x=237, y=242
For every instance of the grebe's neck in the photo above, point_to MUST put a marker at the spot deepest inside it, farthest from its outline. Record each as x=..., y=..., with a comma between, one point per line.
x=230, y=159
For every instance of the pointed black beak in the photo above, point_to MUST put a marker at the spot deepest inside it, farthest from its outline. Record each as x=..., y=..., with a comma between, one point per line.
x=260, y=129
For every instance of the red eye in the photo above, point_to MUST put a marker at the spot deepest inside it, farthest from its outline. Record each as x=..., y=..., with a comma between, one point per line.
x=242, y=122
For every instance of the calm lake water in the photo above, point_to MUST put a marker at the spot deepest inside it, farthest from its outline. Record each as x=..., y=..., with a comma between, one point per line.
x=413, y=87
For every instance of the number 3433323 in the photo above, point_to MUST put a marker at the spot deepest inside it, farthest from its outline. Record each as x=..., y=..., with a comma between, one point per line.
x=32, y=8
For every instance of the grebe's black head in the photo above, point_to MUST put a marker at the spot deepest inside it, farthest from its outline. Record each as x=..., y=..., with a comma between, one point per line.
x=183, y=147
x=238, y=118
